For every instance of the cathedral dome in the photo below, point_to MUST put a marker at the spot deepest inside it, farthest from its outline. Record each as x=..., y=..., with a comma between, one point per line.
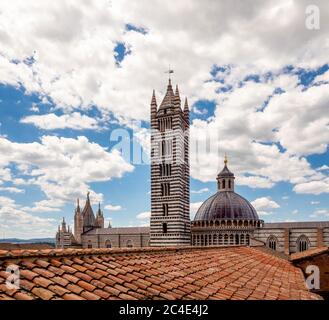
x=226, y=205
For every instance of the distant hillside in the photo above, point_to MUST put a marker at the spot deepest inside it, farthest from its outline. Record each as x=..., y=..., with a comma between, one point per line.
x=26, y=246
x=38, y=240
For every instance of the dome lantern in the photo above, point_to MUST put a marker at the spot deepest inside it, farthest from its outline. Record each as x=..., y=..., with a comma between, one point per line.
x=225, y=179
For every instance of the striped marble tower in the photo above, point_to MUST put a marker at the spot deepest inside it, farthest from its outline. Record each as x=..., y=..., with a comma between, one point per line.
x=170, y=173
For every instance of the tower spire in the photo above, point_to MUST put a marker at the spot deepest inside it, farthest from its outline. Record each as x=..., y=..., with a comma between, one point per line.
x=153, y=101
x=177, y=100
x=225, y=159
x=78, y=205
x=186, y=111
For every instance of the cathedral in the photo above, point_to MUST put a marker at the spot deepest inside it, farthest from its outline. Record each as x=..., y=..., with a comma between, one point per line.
x=224, y=219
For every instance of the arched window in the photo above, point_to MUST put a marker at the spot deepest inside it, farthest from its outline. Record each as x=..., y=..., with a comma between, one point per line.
x=242, y=239
x=165, y=209
x=223, y=184
x=303, y=243
x=231, y=239
x=229, y=184
x=90, y=244
x=226, y=239
x=237, y=240
x=272, y=242
x=129, y=244
x=108, y=244
x=164, y=227
x=247, y=239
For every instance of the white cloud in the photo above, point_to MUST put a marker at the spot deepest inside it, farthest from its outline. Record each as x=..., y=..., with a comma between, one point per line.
x=320, y=213
x=264, y=206
x=285, y=197
x=111, y=207
x=144, y=215
x=315, y=202
x=323, y=168
x=295, y=211
x=34, y=108
x=194, y=206
x=203, y=190
x=15, y=222
x=51, y=121
x=322, y=77
x=63, y=168
x=313, y=187
x=12, y=190
x=74, y=67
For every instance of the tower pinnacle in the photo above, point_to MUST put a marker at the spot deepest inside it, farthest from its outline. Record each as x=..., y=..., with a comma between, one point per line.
x=225, y=159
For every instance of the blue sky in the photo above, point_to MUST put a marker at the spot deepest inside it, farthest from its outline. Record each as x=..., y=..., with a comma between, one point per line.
x=63, y=97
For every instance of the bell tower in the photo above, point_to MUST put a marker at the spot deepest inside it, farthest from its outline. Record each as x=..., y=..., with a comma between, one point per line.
x=170, y=174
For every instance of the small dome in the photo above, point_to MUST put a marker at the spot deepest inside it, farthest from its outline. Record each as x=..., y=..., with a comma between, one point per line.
x=226, y=205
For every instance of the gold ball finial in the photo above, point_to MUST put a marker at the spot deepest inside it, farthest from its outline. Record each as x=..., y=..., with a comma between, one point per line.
x=225, y=159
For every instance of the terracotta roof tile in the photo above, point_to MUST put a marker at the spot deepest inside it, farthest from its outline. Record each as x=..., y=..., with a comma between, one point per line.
x=85, y=285
x=27, y=274
x=111, y=290
x=22, y=296
x=74, y=288
x=83, y=276
x=90, y=296
x=43, y=293
x=42, y=282
x=72, y=296
x=58, y=290
x=153, y=273
x=70, y=278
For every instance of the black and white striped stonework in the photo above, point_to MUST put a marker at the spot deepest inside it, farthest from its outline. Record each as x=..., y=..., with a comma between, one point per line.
x=170, y=197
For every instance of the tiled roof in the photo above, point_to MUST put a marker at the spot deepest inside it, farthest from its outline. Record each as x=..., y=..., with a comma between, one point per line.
x=153, y=273
x=308, y=253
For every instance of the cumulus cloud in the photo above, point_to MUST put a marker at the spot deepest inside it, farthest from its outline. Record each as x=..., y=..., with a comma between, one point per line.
x=12, y=190
x=265, y=205
x=15, y=222
x=203, y=190
x=313, y=187
x=111, y=207
x=50, y=121
x=267, y=132
x=63, y=168
x=320, y=213
x=144, y=215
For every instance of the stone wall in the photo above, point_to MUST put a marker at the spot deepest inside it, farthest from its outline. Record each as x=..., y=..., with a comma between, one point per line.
x=115, y=240
x=287, y=235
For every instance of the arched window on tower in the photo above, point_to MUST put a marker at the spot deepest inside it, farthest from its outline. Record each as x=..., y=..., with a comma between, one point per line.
x=223, y=184
x=229, y=184
x=272, y=243
x=165, y=209
x=303, y=243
